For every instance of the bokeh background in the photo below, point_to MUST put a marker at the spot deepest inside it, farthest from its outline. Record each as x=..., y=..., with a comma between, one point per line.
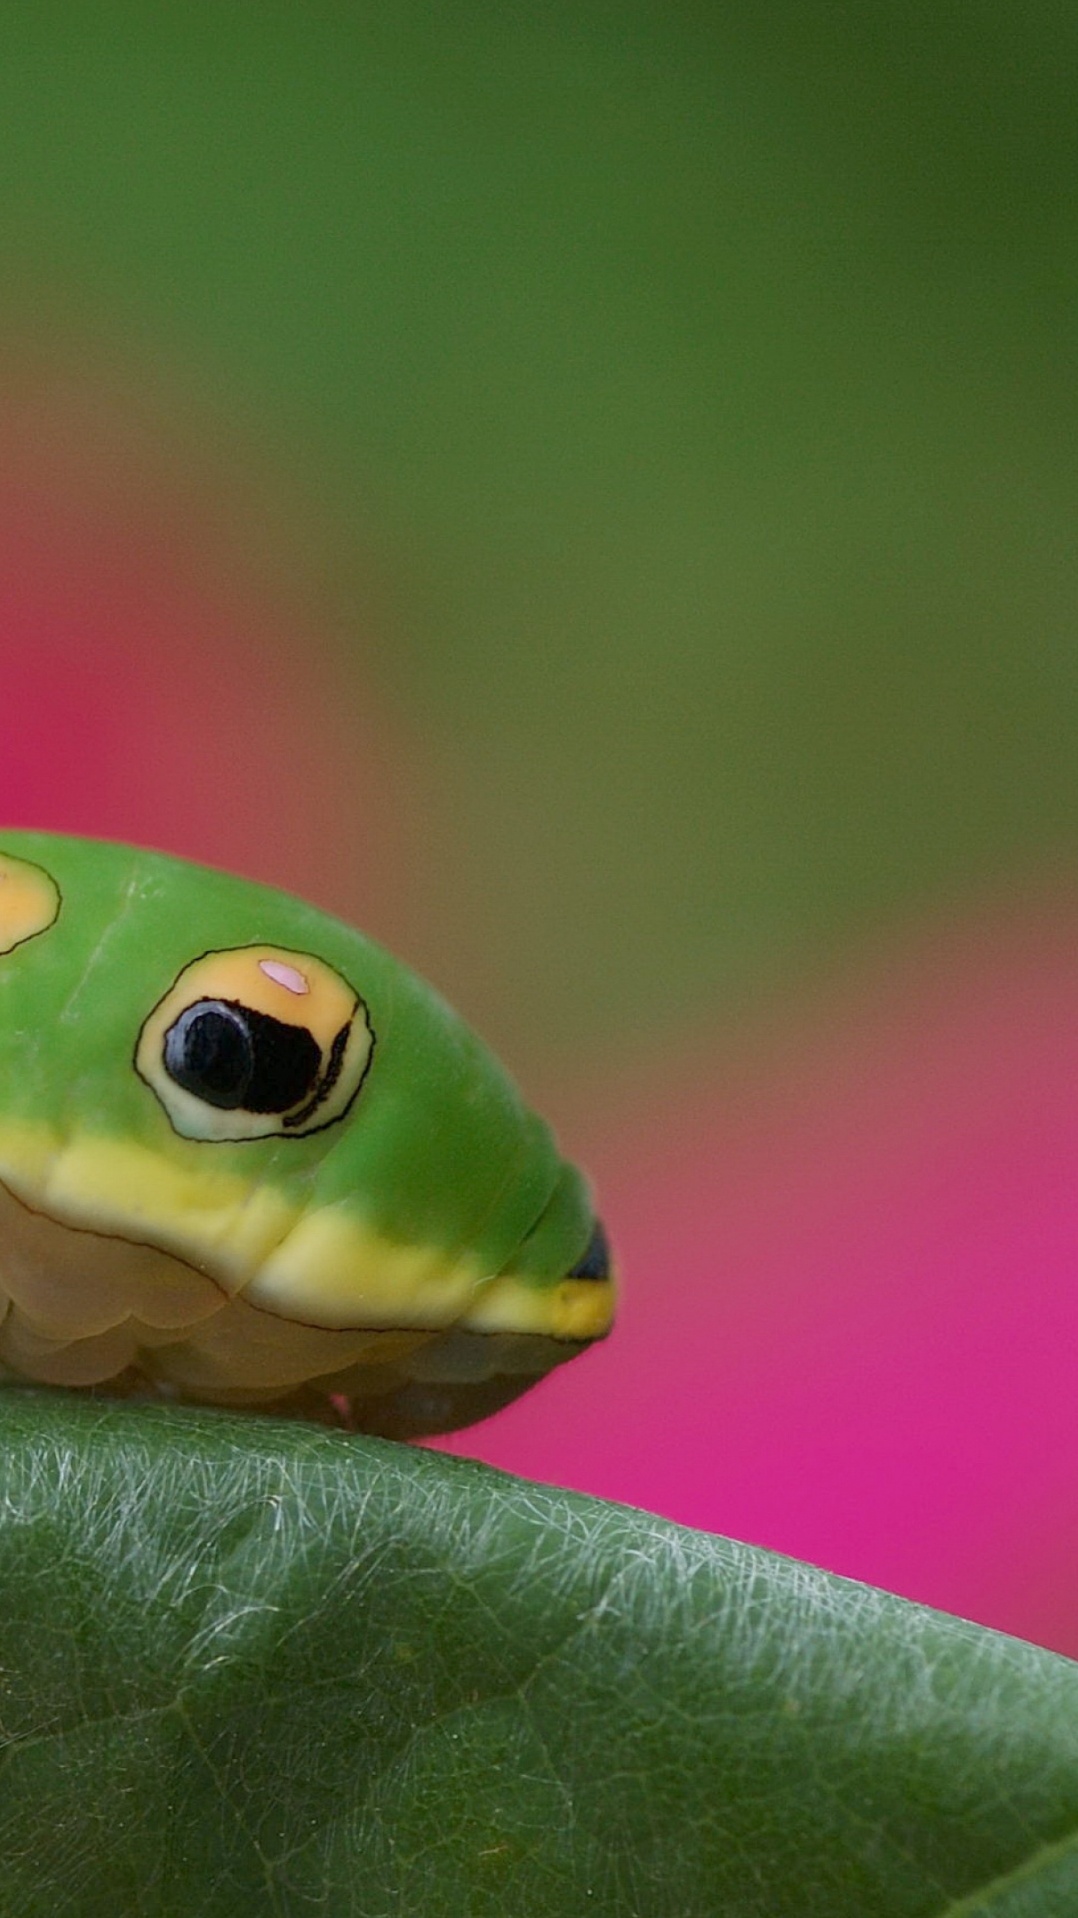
x=589, y=493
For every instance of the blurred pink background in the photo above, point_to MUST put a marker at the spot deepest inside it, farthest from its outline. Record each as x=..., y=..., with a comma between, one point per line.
x=161, y=684
x=850, y=1315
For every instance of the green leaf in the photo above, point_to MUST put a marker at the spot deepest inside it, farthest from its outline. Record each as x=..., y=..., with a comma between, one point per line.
x=252, y=1667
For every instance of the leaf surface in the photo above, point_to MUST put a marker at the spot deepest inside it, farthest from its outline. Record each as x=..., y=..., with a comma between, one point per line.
x=247, y=1666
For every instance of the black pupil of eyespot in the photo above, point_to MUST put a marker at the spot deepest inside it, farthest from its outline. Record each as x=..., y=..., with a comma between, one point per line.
x=595, y=1263
x=236, y=1059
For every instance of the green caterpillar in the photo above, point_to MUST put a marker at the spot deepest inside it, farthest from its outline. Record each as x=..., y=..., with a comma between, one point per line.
x=247, y=1157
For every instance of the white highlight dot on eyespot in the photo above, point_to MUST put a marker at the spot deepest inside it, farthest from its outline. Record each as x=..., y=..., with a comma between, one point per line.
x=283, y=975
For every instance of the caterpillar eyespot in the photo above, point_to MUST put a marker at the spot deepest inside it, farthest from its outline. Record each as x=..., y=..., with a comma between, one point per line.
x=248, y=1158
x=255, y=1043
x=29, y=902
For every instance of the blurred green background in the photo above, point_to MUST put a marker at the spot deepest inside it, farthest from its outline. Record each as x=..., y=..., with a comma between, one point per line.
x=697, y=386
